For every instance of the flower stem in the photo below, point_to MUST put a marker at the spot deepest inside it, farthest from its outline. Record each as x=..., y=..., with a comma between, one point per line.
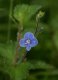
x=38, y=17
x=19, y=34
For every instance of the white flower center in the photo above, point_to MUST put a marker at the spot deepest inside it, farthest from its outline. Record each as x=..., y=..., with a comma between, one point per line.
x=27, y=41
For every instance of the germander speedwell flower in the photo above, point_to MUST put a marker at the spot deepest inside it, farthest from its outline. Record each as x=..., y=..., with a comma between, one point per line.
x=28, y=41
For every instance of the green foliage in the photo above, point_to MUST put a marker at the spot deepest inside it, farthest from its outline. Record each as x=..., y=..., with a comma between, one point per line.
x=42, y=61
x=24, y=12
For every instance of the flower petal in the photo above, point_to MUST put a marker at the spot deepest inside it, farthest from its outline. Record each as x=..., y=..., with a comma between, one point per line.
x=22, y=43
x=34, y=42
x=28, y=47
x=28, y=35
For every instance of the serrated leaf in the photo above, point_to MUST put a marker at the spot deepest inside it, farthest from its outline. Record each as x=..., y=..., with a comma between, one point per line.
x=24, y=12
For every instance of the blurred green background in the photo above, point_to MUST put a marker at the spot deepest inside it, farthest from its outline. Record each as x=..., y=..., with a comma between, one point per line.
x=42, y=60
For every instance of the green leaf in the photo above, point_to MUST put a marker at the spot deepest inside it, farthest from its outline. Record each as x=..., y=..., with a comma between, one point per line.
x=21, y=71
x=7, y=50
x=24, y=12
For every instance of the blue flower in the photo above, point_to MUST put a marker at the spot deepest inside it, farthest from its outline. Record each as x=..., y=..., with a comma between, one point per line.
x=28, y=41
